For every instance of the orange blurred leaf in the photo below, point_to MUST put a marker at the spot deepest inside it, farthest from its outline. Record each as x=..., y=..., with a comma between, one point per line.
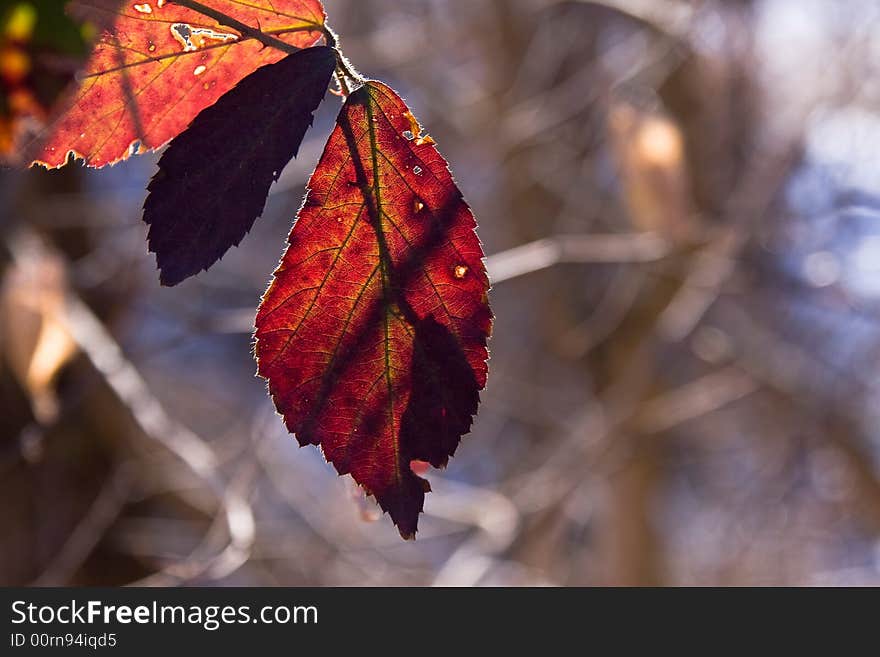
x=36, y=339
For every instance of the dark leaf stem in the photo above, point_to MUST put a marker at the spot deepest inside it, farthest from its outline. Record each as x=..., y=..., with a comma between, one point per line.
x=349, y=78
x=237, y=25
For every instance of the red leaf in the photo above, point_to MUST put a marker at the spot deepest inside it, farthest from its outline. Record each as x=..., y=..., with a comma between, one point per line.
x=157, y=65
x=221, y=167
x=373, y=333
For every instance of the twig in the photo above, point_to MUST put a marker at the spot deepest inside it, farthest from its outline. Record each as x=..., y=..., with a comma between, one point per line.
x=671, y=17
x=712, y=267
x=522, y=260
x=607, y=315
x=544, y=253
x=493, y=514
x=695, y=399
x=91, y=528
x=107, y=357
x=128, y=384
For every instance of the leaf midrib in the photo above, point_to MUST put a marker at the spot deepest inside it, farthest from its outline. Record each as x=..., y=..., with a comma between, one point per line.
x=385, y=264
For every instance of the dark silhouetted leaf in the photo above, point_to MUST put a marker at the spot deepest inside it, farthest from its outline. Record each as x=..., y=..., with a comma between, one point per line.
x=214, y=178
x=373, y=333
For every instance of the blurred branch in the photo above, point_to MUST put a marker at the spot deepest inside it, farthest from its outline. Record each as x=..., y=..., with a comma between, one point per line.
x=550, y=251
x=495, y=517
x=711, y=268
x=122, y=376
x=695, y=399
x=806, y=384
x=672, y=17
x=88, y=533
x=713, y=265
x=617, y=300
x=526, y=259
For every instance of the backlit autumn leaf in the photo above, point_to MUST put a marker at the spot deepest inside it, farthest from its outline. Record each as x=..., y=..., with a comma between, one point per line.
x=373, y=333
x=156, y=65
x=261, y=131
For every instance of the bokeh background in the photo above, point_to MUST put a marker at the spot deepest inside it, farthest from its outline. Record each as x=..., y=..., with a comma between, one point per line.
x=679, y=200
